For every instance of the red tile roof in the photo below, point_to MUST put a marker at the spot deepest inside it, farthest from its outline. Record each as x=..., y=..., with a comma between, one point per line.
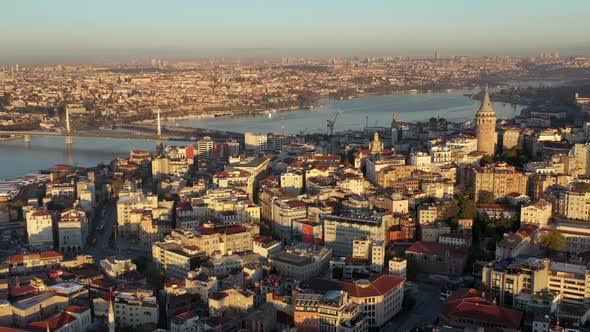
x=434, y=248
x=76, y=309
x=474, y=305
x=45, y=255
x=55, y=322
x=19, y=291
x=376, y=287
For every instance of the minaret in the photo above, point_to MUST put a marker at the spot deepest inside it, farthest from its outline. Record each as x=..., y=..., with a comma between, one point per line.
x=486, y=126
x=111, y=316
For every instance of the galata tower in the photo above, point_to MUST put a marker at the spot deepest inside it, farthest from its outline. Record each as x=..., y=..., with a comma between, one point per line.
x=486, y=126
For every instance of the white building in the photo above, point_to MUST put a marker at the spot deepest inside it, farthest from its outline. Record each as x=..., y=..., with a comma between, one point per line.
x=422, y=161
x=538, y=213
x=115, y=267
x=255, y=142
x=72, y=230
x=292, y=182
x=39, y=228
x=398, y=267
x=205, y=148
x=136, y=309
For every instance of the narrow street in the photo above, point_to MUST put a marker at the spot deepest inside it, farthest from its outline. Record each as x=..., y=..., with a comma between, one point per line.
x=425, y=311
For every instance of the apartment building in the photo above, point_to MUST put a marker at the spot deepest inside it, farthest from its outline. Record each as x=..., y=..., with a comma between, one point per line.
x=115, y=267
x=38, y=261
x=127, y=207
x=72, y=230
x=210, y=238
x=379, y=297
x=577, y=236
x=255, y=142
x=292, y=182
x=237, y=299
x=537, y=213
x=205, y=148
x=499, y=179
x=330, y=311
x=138, y=309
x=574, y=204
x=39, y=228
x=398, y=267
x=235, y=178
x=176, y=259
x=341, y=230
x=284, y=213
x=434, y=257
x=512, y=280
x=301, y=262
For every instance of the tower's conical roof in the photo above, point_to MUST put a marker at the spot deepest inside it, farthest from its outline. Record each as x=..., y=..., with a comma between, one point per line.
x=486, y=104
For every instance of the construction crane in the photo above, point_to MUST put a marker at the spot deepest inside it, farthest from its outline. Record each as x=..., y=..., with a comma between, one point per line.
x=331, y=123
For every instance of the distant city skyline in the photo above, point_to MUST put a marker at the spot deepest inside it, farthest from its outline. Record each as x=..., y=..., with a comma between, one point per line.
x=75, y=31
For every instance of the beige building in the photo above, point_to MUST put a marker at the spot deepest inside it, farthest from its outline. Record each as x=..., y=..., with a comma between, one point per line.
x=37, y=307
x=538, y=213
x=137, y=309
x=39, y=228
x=292, y=182
x=510, y=138
x=255, y=142
x=284, y=213
x=380, y=297
x=371, y=250
x=331, y=311
x=499, y=179
x=115, y=267
x=513, y=281
x=235, y=299
x=577, y=237
x=176, y=259
x=438, y=189
x=72, y=230
x=127, y=207
x=340, y=231
x=398, y=267
x=201, y=284
x=205, y=148
x=431, y=232
x=210, y=238
x=301, y=262
x=428, y=213
x=388, y=175
x=573, y=204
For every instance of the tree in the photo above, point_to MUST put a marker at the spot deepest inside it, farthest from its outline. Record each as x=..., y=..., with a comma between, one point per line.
x=409, y=302
x=486, y=197
x=155, y=277
x=142, y=263
x=582, y=186
x=552, y=243
x=486, y=160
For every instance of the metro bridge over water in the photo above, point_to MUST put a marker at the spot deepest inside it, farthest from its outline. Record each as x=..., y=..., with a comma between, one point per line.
x=131, y=131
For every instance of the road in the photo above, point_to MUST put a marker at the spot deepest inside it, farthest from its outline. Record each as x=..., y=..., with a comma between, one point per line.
x=103, y=247
x=424, y=313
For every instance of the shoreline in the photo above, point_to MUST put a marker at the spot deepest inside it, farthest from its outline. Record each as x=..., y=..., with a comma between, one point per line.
x=319, y=104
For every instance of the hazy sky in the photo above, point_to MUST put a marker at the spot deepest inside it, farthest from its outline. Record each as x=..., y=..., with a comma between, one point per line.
x=77, y=29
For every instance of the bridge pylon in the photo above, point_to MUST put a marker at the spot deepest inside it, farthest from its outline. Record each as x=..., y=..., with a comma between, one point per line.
x=159, y=128
x=69, y=140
